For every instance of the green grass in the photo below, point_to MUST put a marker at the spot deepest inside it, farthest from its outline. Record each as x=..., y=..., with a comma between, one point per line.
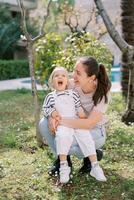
x=23, y=165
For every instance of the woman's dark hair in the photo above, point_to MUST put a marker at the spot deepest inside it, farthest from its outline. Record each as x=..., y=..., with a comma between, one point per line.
x=103, y=86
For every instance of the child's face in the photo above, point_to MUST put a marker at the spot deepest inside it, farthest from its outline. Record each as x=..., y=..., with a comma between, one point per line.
x=60, y=80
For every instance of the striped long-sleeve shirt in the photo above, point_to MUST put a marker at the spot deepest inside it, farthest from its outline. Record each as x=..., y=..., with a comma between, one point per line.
x=49, y=102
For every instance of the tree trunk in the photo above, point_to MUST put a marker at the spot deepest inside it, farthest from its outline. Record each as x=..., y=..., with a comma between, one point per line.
x=34, y=91
x=127, y=48
x=127, y=7
x=128, y=63
x=128, y=117
x=30, y=43
x=124, y=76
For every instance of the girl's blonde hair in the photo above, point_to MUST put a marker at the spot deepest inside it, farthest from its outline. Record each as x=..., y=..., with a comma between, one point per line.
x=50, y=81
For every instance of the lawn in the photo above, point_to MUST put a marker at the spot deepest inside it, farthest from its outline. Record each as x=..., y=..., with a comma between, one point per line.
x=23, y=165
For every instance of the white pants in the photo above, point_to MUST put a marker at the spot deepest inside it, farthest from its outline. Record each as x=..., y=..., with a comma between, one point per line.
x=98, y=134
x=66, y=137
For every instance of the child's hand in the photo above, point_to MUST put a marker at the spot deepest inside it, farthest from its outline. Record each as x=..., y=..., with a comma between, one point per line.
x=52, y=125
x=54, y=121
x=55, y=115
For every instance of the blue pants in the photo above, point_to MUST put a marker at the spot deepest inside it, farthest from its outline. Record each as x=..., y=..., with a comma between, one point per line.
x=98, y=134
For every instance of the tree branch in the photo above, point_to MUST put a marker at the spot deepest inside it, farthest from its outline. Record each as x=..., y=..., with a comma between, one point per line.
x=89, y=20
x=23, y=16
x=42, y=32
x=68, y=23
x=121, y=43
x=77, y=23
x=24, y=26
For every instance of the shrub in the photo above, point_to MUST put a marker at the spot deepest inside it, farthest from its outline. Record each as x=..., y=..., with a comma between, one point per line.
x=84, y=44
x=47, y=51
x=10, y=69
x=53, y=51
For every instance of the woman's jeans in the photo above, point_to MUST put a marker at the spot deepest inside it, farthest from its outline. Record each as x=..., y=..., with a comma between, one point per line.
x=98, y=134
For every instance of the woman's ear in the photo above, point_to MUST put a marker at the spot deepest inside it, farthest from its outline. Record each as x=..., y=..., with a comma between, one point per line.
x=93, y=77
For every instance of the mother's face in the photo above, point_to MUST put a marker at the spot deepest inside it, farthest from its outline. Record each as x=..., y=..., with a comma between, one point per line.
x=80, y=77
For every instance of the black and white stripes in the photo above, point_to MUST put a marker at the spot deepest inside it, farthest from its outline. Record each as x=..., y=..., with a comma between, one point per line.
x=49, y=102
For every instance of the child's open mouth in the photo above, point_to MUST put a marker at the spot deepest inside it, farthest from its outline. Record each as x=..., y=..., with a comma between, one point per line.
x=60, y=83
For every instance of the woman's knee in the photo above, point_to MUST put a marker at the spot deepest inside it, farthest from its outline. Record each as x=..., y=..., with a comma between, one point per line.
x=99, y=136
x=43, y=121
x=47, y=136
x=43, y=126
x=99, y=143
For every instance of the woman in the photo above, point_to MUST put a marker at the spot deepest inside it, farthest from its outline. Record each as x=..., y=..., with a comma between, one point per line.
x=93, y=85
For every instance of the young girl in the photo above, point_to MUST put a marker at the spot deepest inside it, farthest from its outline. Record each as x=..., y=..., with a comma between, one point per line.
x=65, y=103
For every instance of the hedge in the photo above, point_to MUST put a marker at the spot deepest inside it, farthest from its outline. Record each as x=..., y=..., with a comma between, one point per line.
x=10, y=69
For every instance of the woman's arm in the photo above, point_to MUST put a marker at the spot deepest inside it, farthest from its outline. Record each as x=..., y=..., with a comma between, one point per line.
x=88, y=123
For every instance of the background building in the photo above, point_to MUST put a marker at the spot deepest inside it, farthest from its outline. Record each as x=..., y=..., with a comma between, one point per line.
x=29, y=4
x=21, y=52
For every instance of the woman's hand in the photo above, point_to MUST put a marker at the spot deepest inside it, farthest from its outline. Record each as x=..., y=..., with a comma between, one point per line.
x=81, y=113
